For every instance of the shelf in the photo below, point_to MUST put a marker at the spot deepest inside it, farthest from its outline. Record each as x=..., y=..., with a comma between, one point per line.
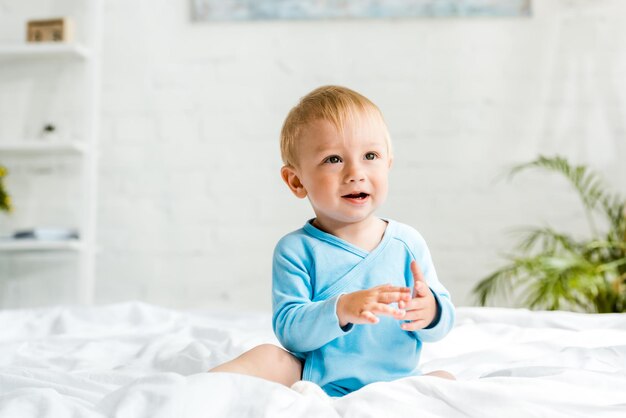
x=47, y=67
x=42, y=50
x=32, y=147
x=38, y=245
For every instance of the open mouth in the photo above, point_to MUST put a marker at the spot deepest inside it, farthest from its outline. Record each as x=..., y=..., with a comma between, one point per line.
x=356, y=196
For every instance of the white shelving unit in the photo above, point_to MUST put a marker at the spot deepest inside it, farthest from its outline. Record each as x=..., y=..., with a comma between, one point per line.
x=33, y=148
x=21, y=51
x=85, y=54
x=37, y=245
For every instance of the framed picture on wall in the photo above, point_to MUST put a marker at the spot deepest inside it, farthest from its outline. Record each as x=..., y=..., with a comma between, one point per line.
x=220, y=10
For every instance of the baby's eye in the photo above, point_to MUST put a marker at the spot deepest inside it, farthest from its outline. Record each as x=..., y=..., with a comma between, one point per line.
x=333, y=159
x=371, y=156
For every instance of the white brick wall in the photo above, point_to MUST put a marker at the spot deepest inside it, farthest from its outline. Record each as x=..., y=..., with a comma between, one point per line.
x=191, y=203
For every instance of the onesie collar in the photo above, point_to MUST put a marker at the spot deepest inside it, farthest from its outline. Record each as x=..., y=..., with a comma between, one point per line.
x=310, y=229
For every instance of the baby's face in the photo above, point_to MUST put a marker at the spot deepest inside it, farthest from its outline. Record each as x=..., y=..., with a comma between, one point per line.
x=344, y=172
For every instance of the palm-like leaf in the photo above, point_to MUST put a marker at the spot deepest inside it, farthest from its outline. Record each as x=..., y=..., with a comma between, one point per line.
x=589, y=185
x=5, y=201
x=554, y=271
x=547, y=239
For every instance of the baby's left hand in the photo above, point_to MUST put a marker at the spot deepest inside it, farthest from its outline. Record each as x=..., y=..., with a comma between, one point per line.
x=422, y=308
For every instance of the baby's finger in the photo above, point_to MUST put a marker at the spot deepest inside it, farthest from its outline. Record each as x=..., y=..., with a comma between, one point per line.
x=392, y=288
x=382, y=309
x=417, y=272
x=415, y=304
x=369, y=317
x=419, y=282
x=383, y=286
x=421, y=289
x=395, y=295
x=399, y=314
x=414, y=325
x=414, y=315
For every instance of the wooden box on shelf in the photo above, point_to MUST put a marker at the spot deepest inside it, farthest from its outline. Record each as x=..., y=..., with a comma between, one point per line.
x=50, y=30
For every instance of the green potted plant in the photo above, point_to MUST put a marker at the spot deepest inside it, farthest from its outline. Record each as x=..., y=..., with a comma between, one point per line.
x=5, y=200
x=551, y=269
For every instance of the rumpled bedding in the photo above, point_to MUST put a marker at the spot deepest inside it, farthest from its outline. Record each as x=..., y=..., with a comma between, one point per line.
x=139, y=360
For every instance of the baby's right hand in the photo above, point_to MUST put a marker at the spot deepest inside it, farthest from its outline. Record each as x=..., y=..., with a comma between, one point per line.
x=361, y=307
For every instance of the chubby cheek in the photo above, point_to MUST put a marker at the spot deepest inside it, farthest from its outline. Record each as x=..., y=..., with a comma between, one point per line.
x=382, y=185
x=321, y=181
x=381, y=192
x=324, y=190
x=318, y=188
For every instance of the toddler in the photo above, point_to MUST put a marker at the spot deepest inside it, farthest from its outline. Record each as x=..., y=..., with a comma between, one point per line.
x=354, y=295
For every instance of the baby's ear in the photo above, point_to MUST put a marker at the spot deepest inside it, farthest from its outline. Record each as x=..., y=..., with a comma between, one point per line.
x=290, y=177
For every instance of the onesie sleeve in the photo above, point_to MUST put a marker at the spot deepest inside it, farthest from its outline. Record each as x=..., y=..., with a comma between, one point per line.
x=444, y=319
x=300, y=324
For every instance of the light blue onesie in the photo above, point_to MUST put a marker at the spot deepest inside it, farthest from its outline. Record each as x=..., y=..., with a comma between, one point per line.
x=311, y=269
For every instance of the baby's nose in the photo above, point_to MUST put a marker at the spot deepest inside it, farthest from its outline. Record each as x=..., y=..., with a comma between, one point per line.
x=354, y=174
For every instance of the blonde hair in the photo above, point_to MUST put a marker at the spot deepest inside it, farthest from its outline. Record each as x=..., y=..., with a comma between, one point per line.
x=334, y=104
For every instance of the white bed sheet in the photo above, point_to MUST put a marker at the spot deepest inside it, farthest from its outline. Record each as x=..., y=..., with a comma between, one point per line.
x=139, y=360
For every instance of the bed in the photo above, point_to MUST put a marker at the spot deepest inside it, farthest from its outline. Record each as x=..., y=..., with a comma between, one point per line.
x=139, y=360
